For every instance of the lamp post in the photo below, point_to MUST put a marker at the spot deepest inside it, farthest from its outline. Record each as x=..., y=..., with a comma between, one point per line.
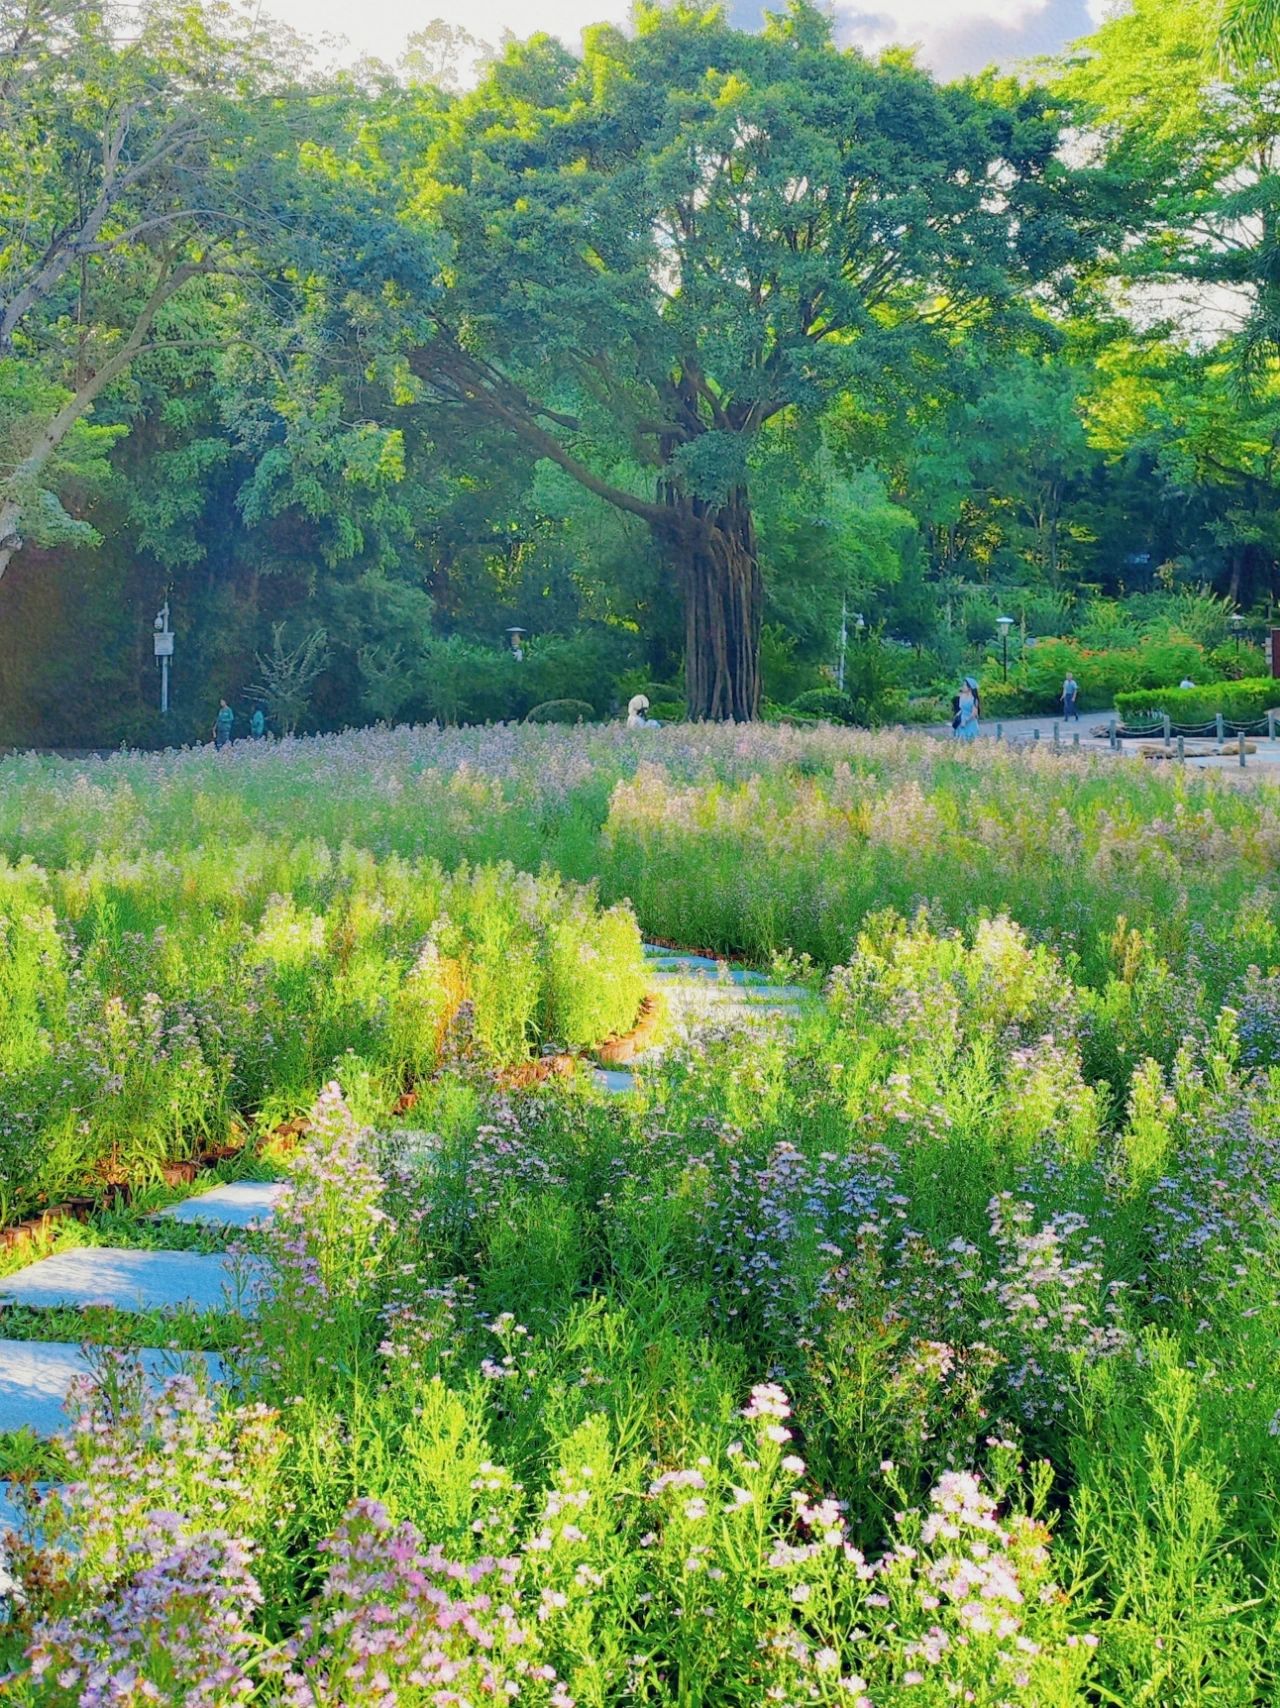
x=1237, y=623
x=164, y=653
x=1004, y=624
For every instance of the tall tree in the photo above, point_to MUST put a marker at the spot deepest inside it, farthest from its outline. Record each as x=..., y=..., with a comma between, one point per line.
x=654, y=251
x=1197, y=154
x=135, y=155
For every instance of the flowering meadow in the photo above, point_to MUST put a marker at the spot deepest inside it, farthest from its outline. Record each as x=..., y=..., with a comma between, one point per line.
x=919, y=1352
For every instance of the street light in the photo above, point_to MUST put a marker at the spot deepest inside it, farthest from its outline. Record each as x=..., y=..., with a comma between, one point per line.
x=1237, y=623
x=1004, y=624
x=164, y=653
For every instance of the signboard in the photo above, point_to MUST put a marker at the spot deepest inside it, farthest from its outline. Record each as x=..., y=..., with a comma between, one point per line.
x=164, y=645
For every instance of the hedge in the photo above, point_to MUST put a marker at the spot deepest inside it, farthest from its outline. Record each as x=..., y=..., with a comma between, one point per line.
x=1239, y=702
x=561, y=712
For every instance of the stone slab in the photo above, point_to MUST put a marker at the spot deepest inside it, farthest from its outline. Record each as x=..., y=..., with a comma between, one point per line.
x=129, y=1280
x=705, y=972
x=35, y=1376
x=714, y=1001
x=655, y=952
x=238, y=1204
x=12, y=1516
x=617, y=1081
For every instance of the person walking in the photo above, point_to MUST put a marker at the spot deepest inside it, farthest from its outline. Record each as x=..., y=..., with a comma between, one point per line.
x=223, y=725
x=258, y=724
x=968, y=711
x=1070, y=699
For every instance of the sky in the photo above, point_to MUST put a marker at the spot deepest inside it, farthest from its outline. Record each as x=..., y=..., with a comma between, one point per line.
x=953, y=36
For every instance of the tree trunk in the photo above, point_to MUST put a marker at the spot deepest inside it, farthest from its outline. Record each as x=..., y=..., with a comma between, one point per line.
x=712, y=548
x=10, y=537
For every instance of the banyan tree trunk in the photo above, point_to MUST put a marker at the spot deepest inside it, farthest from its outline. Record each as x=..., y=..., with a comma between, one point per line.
x=713, y=550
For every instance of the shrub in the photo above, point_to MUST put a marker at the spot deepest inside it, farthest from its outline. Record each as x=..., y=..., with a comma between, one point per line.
x=1035, y=683
x=1239, y=702
x=830, y=704
x=667, y=711
x=561, y=712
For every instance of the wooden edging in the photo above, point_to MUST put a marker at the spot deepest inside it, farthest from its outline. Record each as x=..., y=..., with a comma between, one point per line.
x=610, y=1052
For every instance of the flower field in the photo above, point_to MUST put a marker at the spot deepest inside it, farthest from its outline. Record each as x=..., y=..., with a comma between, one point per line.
x=915, y=1345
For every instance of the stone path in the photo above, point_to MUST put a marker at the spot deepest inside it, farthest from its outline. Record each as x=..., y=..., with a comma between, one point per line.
x=35, y=1376
x=241, y=1204
x=702, y=992
x=131, y=1281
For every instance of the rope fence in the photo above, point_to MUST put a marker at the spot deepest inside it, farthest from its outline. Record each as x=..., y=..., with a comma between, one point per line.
x=1174, y=736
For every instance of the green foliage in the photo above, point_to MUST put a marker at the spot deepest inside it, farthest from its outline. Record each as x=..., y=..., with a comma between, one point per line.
x=828, y=703
x=1239, y=702
x=560, y=712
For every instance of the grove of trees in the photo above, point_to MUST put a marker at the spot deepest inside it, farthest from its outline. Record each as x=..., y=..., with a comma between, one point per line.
x=671, y=354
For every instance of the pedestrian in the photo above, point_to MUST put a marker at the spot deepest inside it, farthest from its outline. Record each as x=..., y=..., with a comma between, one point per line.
x=968, y=710
x=638, y=713
x=223, y=724
x=258, y=724
x=1070, y=699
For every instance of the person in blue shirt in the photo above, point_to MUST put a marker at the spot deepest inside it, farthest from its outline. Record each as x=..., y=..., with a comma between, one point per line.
x=257, y=724
x=223, y=725
x=968, y=711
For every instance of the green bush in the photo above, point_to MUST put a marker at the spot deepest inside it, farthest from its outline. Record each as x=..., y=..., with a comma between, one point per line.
x=667, y=711
x=928, y=709
x=830, y=704
x=1035, y=682
x=561, y=712
x=1239, y=702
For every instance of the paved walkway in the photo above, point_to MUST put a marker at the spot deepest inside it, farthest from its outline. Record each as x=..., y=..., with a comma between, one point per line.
x=1265, y=758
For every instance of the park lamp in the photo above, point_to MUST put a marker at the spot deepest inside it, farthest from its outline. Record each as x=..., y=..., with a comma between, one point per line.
x=1004, y=624
x=163, y=642
x=1237, y=623
x=516, y=635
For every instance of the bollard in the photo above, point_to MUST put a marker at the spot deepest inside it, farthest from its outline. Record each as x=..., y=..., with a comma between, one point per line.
x=1035, y=734
x=1221, y=736
x=1182, y=748
x=1075, y=739
x=1111, y=730
x=1055, y=732
x=1271, y=726
x=999, y=732
x=1166, y=732
x=1242, y=758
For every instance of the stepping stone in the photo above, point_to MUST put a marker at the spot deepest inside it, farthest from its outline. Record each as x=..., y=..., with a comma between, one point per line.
x=716, y=1004
x=35, y=1376
x=706, y=973
x=12, y=1515
x=240, y=1204
x=129, y=1280
x=413, y=1144
x=617, y=1081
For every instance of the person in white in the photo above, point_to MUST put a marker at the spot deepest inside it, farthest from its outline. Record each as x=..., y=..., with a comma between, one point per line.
x=637, y=707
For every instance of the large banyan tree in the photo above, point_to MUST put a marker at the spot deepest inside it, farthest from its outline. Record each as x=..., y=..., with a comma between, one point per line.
x=650, y=252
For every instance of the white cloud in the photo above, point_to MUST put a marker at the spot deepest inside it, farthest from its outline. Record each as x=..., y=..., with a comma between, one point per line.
x=380, y=27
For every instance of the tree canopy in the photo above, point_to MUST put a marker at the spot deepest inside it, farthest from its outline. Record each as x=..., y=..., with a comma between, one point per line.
x=670, y=352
